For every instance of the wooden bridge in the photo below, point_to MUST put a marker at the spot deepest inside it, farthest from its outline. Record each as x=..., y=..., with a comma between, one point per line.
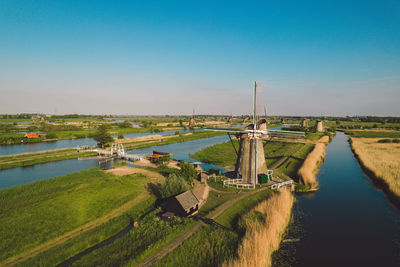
x=117, y=151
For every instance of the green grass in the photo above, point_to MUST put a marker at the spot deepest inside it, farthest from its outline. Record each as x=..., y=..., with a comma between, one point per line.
x=314, y=136
x=40, y=158
x=34, y=213
x=275, y=153
x=374, y=134
x=140, y=242
x=214, y=200
x=220, y=154
x=56, y=255
x=230, y=216
x=217, y=184
x=211, y=246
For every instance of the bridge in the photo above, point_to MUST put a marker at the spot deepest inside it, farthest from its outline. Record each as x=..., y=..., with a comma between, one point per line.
x=117, y=151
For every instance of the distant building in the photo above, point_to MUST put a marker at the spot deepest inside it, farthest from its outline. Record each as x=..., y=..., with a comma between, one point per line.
x=183, y=204
x=319, y=126
x=158, y=157
x=31, y=135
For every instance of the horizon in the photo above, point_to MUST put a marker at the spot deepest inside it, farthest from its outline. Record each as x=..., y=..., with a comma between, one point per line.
x=153, y=59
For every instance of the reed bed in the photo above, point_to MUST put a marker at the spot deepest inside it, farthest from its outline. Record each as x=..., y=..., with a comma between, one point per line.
x=382, y=159
x=309, y=170
x=264, y=225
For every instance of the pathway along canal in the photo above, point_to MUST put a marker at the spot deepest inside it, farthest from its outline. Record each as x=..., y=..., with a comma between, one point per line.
x=348, y=222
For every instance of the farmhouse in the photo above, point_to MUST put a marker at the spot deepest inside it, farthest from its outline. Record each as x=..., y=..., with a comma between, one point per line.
x=31, y=135
x=183, y=204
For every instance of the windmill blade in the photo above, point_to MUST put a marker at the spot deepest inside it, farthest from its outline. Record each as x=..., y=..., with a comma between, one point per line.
x=276, y=134
x=227, y=130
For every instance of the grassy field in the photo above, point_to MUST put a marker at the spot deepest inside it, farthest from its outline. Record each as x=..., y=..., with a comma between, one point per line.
x=230, y=217
x=285, y=157
x=58, y=254
x=260, y=219
x=382, y=159
x=138, y=243
x=211, y=246
x=7, y=162
x=374, y=134
x=37, y=212
x=220, y=154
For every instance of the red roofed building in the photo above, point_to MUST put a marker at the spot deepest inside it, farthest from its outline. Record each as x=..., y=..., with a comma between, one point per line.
x=31, y=135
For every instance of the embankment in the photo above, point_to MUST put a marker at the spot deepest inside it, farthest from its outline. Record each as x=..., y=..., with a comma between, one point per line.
x=265, y=225
x=309, y=170
x=381, y=161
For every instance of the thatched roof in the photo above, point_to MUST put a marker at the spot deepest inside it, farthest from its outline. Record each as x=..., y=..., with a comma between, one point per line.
x=187, y=200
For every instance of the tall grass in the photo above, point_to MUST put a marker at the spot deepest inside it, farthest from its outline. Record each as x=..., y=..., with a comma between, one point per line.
x=309, y=170
x=383, y=159
x=264, y=225
x=34, y=213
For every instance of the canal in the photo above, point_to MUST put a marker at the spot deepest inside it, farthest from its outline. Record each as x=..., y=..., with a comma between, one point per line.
x=23, y=175
x=348, y=222
x=67, y=143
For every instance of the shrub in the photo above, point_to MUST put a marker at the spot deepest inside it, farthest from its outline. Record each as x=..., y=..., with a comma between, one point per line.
x=187, y=172
x=51, y=135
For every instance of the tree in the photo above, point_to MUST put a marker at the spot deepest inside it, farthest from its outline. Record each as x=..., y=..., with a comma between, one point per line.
x=188, y=172
x=102, y=136
x=173, y=185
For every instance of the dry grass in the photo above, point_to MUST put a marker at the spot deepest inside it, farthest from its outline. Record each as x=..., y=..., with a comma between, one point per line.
x=309, y=170
x=383, y=159
x=262, y=238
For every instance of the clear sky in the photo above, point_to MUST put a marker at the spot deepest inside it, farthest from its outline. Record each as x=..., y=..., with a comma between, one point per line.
x=170, y=57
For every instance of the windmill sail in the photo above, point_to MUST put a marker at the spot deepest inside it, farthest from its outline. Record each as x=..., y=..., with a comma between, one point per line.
x=251, y=158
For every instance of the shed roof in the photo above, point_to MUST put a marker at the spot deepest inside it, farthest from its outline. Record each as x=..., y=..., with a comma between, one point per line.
x=31, y=135
x=187, y=200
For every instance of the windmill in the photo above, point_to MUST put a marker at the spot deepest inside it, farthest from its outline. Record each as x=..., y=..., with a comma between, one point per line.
x=250, y=155
x=192, y=122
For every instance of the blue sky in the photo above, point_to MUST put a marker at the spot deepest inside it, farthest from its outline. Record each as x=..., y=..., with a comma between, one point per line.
x=168, y=57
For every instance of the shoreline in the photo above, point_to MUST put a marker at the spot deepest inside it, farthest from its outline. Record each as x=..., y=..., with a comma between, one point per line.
x=378, y=182
x=309, y=170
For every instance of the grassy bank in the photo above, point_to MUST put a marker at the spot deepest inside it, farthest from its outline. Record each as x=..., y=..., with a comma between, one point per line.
x=166, y=140
x=41, y=211
x=309, y=170
x=264, y=227
x=258, y=220
x=381, y=159
x=7, y=162
x=374, y=134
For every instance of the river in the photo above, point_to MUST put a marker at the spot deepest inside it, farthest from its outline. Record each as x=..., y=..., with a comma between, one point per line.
x=23, y=175
x=67, y=143
x=348, y=222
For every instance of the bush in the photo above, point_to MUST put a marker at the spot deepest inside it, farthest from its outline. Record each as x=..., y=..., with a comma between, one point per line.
x=173, y=185
x=385, y=141
x=51, y=135
x=121, y=136
x=188, y=172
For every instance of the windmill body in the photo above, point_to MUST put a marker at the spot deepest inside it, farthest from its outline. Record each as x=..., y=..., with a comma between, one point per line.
x=251, y=155
x=250, y=161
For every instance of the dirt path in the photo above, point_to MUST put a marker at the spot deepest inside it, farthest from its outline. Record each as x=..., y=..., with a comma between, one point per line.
x=89, y=226
x=178, y=241
x=125, y=170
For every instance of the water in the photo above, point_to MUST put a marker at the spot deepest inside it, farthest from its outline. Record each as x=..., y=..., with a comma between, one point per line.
x=23, y=175
x=348, y=222
x=67, y=143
